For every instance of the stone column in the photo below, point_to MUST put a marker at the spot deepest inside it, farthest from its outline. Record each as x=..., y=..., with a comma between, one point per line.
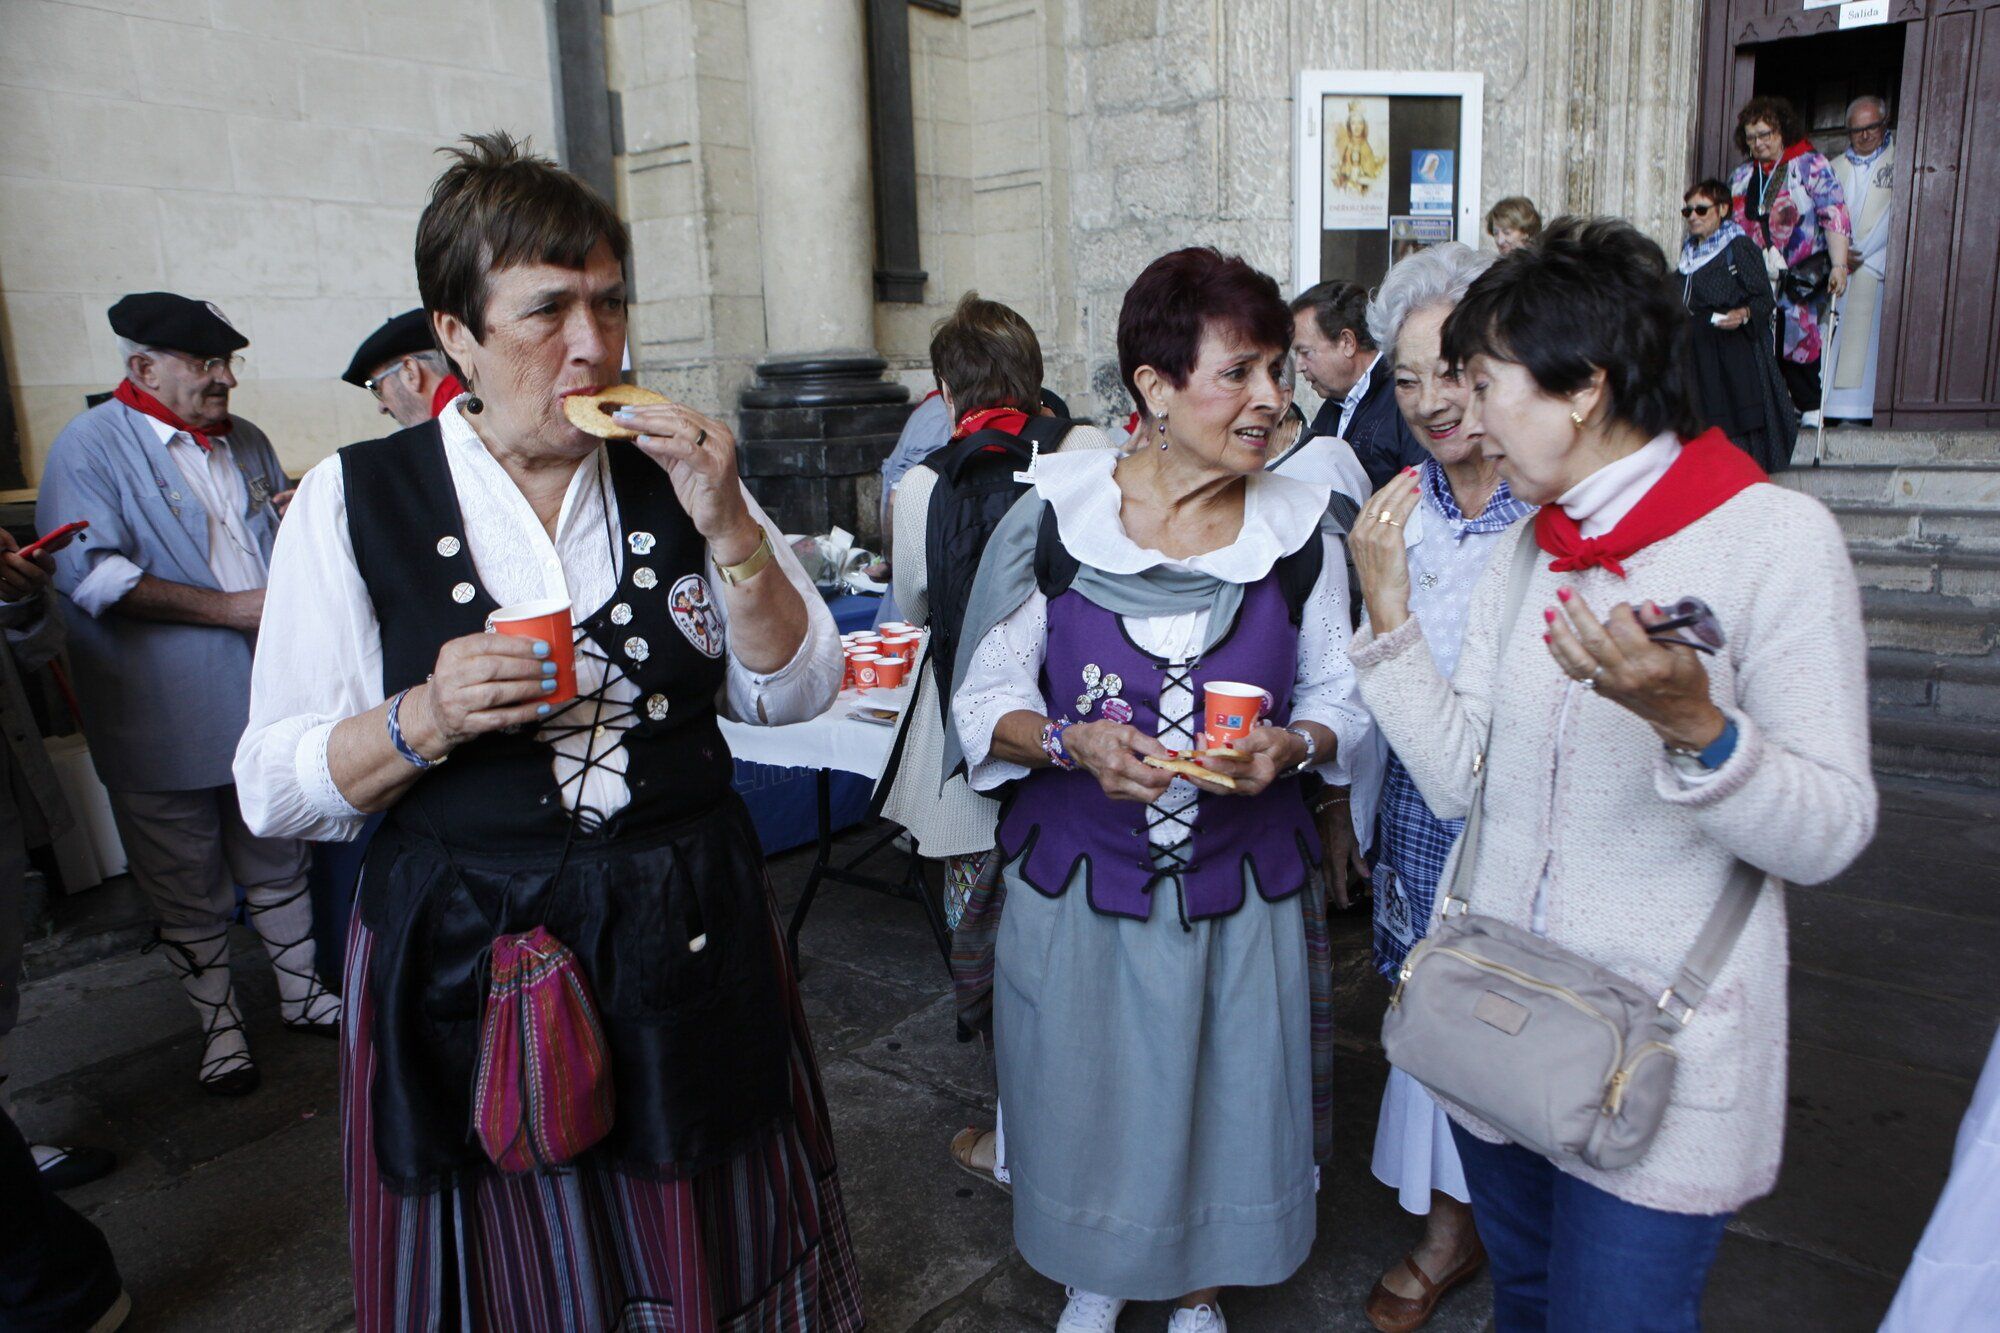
x=820, y=417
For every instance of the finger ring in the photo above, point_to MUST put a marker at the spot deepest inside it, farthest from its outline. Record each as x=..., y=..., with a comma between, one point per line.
x=700, y=439
x=1391, y=522
x=1382, y=516
x=1588, y=682
x=1596, y=673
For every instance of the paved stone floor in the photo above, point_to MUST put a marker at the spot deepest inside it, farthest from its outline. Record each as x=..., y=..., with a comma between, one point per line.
x=227, y=1215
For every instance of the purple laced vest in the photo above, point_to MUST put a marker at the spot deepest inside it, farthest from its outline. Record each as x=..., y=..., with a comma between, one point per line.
x=1056, y=819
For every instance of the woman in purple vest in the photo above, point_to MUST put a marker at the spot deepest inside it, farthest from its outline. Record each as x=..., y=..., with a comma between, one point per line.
x=1160, y=1000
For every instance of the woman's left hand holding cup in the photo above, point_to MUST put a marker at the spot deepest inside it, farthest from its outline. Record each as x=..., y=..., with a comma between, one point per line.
x=698, y=454
x=1264, y=755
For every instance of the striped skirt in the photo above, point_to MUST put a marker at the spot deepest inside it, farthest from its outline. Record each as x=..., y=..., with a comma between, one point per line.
x=758, y=1244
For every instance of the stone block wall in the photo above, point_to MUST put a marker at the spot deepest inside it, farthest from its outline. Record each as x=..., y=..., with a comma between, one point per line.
x=1179, y=123
x=269, y=155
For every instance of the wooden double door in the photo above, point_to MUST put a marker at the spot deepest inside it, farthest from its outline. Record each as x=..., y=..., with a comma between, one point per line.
x=1940, y=358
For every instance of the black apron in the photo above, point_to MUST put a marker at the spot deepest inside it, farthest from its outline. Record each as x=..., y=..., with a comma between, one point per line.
x=482, y=845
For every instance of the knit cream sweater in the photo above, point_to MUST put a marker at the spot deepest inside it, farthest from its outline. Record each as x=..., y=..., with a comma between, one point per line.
x=1581, y=796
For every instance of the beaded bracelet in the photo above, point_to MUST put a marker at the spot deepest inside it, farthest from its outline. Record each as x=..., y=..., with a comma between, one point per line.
x=403, y=747
x=1052, y=744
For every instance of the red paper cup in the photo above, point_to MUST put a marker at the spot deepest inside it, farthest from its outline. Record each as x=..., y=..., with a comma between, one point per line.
x=896, y=627
x=866, y=673
x=889, y=670
x=548, y=621
x=903, y=645
x=1229, y=712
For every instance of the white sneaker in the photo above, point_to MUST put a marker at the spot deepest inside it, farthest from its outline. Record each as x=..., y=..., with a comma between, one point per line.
x=1200, y=1319
x=1088, y=1312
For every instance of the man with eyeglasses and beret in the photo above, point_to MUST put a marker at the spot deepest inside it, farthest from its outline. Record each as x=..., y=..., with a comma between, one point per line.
x=401, y=365
x=163, y=594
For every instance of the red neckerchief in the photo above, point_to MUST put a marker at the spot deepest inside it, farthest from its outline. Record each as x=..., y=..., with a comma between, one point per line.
x=1796, y=148
x=1008, y=419
x=448, y=388
x=1132, y=424
x=1709, y=472
x=139, y=400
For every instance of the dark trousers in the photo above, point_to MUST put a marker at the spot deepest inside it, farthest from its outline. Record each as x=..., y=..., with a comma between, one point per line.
x=1566, y=1257
x=56, y=1273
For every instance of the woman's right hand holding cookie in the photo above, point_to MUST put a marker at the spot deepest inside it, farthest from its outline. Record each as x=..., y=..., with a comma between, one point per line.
x=1112, y=752
x=482, y=683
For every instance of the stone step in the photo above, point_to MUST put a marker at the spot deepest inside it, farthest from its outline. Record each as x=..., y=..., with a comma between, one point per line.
x=1918, y=743
x=1955, y=689
x=1963, y=527
x=1968, y=485
x=1850, y=445
x=1929, y=623
x=1971, y=575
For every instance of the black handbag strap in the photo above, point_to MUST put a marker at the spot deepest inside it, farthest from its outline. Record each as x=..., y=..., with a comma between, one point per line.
x=1726, y=919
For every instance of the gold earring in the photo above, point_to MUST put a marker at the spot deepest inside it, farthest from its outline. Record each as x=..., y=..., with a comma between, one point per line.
x=1577, y=417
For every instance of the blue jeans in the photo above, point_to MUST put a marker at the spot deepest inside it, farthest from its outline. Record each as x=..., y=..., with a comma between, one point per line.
x=1566, y=1257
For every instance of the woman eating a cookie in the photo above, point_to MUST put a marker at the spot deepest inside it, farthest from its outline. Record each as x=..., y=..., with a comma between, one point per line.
x=578, y=1091
x=1160, y=972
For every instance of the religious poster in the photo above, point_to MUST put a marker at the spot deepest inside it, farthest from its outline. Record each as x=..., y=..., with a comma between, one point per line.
x=1407, y=235
x=1430, y=182
x=1387, y=162
x=1356, y=147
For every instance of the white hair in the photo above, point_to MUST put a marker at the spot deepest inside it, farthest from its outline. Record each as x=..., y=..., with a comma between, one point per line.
x=127, y=349
x=1435, y=275
x=1868, y=99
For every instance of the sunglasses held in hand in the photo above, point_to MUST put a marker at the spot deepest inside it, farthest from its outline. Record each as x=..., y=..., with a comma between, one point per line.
x=1691, y=624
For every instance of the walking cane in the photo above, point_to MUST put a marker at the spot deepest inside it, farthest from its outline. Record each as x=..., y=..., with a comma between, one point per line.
x=1832, y=329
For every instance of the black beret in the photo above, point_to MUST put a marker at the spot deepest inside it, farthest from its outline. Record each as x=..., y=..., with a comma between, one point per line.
x=163, y=319
x=406, y=333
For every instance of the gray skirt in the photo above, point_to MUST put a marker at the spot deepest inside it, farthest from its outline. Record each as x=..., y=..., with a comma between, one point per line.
x=1158, y=1089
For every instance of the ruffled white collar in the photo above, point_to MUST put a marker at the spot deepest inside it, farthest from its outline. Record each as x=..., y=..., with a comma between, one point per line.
x=1279, y=514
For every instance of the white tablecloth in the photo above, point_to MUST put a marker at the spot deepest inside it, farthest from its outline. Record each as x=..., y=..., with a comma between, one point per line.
x=831, y=740
x=91, y=852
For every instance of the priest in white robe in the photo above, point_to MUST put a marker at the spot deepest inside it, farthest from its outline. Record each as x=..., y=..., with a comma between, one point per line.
x=1867, y=175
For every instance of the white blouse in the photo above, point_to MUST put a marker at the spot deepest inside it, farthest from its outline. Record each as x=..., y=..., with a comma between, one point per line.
x=1004, y=674
x=319, y=650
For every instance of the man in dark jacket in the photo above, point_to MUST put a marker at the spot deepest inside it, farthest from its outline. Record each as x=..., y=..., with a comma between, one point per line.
x=1341, y=362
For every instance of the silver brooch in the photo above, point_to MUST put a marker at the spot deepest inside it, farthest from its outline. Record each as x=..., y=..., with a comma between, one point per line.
x=448, y=547
x=621, y=614
x=1429, y=581
x=640, y=542
x=461, y=593
x=656, y=707
x=635, y=648
x=644, y=577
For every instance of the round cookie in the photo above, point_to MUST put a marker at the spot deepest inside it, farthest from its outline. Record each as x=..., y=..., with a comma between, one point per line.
x=590, y=412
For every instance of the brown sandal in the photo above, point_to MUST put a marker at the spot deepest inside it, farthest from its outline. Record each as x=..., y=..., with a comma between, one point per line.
x=962, y=1145
x=1400, y=1314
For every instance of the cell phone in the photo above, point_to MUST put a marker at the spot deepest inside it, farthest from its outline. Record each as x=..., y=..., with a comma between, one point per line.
x=56, y=538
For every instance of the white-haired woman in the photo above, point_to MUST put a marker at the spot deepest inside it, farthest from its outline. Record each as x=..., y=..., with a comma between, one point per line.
x=1463, y=512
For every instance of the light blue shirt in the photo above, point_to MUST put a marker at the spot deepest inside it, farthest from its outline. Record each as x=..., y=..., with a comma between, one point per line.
x=163, y=704
x=1448, y=552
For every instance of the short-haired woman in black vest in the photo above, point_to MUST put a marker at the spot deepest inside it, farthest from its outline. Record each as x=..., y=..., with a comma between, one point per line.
x=609, y=821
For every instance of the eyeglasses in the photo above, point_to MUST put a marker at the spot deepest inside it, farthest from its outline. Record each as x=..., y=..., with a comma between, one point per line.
x=1689, y=210
x=209, y=365
x=374, y=382
x=1758, y=136
x=1876, y=128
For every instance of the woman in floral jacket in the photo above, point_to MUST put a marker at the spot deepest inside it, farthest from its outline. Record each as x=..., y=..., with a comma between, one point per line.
x=1787, y=200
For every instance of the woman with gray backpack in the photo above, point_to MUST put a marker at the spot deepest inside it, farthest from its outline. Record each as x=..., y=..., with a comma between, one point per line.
x=1658, y=717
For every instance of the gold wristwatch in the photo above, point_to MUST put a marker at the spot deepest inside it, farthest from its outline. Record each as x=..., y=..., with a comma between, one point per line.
x=752, y=564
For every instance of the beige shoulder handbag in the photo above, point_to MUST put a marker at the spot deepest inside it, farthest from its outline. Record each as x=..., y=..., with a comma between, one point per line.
x=1564, y=1057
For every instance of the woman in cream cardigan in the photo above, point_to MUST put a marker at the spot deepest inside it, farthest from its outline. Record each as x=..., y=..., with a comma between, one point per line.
x=1629, y=774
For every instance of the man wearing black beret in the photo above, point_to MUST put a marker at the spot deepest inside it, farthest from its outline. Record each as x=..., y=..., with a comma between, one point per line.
x=400, y=364
x=165, y=590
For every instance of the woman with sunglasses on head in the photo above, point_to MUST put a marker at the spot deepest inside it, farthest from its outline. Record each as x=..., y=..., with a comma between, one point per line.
x=1637, y=775
x=1732, y=369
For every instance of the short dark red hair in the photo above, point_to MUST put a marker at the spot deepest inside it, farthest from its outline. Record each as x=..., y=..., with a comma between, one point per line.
x=1183, y=294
